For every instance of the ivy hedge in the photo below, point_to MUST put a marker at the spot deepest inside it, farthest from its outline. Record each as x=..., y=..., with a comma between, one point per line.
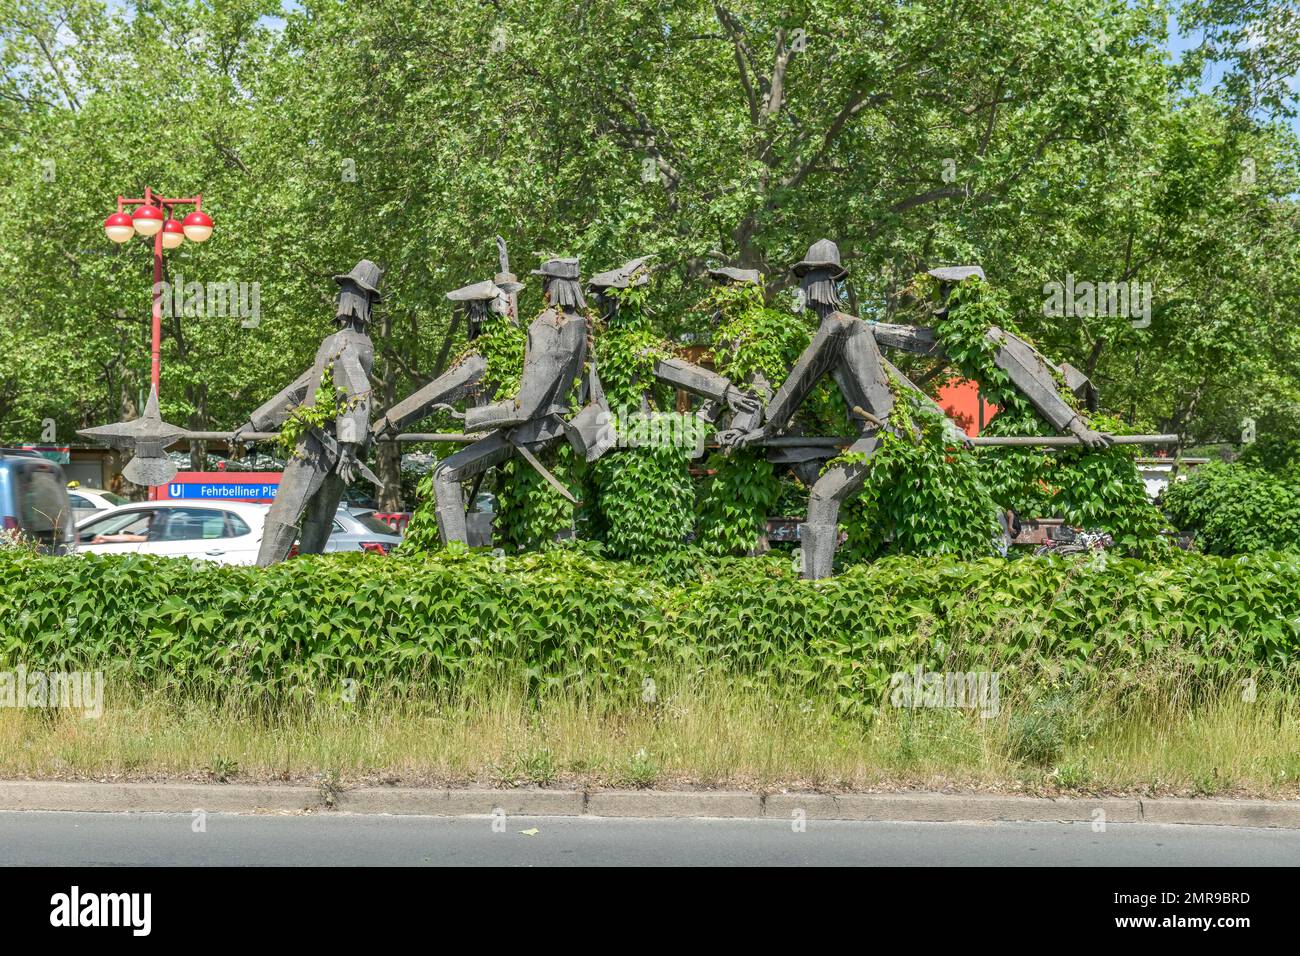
x=1237, y=508
x=565, y=618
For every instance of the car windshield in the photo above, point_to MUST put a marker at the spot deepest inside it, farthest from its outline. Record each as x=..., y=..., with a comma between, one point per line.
x=113, y=499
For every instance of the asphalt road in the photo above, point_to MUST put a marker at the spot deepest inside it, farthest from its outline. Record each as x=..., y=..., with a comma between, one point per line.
x=336, y=839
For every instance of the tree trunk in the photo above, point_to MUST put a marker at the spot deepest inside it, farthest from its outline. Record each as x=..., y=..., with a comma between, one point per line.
x=389, y=454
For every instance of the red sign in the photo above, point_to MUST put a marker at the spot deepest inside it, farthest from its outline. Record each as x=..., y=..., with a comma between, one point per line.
x=220, y=486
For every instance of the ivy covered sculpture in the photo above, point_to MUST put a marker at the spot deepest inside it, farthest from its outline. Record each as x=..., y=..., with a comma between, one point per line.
x=326, y=414
x=535, y=416
x=645, y=500
x=846, y=348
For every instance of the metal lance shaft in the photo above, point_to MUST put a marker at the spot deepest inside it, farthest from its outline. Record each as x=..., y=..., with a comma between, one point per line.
x=404, y=437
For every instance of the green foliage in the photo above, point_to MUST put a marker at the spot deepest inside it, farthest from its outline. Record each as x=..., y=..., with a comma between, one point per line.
x=625, y=354
x=733, y=506
x=328, y=403
x=1233, y=509
x=561, y=618
x=1097, y=156
x=1094, y=489
x=922, y=494
x=421, y=534
x=501, y=343
x=645, y=499
x=753, y=338
x=530, y=513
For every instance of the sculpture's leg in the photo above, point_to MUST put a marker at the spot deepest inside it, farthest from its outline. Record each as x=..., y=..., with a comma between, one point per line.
x=466, y=463
x=319, y=519
x=820, y=534
x=303, y=477
x=861, y=377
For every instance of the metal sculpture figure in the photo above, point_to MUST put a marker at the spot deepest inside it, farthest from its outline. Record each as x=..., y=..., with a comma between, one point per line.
x=325, y=459
x=845, y=347
x=479, y=303
x=554, y=357
x=1032, y=374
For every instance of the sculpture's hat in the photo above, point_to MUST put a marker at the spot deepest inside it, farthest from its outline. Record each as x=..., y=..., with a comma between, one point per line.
x=367, y=275
x=729, y=274
x=947, y=274
x=558, y=269
x=822, y=254
x=484, y=291
x=507, y=283
x=631, y=273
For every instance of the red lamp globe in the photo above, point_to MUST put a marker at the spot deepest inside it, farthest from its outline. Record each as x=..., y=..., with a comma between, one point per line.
x=173, y=234
x=198, y=226
x=119, y=227
x=147, y=220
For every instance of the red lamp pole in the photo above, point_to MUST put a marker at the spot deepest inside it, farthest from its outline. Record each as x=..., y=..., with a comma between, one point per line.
x=150, y=220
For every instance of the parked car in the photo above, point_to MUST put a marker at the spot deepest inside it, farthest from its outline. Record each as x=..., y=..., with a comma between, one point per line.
x=89, y=501
x=357, y=529
x=34, y=501
x=228, y=532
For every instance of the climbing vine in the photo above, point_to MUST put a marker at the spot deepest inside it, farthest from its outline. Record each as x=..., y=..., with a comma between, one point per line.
x=328, y=403
x=1098, y=489
x=922, y=493
x=529, y=512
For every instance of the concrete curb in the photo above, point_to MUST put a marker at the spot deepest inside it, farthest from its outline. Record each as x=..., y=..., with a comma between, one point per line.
x=898, y=807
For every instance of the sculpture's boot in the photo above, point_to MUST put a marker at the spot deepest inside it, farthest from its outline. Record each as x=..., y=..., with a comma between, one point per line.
x=451, y=506
x=818, y=542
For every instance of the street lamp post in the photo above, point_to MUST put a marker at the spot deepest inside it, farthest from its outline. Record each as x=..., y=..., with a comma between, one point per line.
x=153, y=218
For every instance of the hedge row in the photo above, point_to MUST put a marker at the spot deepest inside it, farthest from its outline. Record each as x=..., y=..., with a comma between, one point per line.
x=565, y=618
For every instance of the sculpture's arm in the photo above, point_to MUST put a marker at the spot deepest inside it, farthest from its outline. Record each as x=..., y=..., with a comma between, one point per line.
x=816, y=360
x=451, y=386
x=679, y=373
x=909, y=338
x=352, y=425
x=553, y=344
x=274, y=412
x=1032, y=375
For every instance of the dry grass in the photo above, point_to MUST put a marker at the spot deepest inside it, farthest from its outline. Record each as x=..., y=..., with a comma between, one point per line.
x=698, y=736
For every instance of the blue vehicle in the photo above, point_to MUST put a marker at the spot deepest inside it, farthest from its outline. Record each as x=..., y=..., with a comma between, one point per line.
x=34, y=501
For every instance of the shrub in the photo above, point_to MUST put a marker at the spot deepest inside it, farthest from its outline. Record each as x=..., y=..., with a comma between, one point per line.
x=563, y=618
x=1234, y=509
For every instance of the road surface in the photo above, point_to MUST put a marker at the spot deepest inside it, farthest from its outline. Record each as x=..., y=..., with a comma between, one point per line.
x=337, y=839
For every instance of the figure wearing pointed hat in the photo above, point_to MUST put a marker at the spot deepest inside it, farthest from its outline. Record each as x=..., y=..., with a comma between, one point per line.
x=326, y=459
x=554, y=357
x=667, y=369
x=480, y=304
x=844, y=348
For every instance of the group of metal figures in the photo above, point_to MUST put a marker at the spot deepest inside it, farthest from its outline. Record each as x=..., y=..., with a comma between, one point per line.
x=560, y=398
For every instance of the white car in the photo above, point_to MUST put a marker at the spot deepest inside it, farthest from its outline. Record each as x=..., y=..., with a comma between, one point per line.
x=89, y=501
x=227, y=532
